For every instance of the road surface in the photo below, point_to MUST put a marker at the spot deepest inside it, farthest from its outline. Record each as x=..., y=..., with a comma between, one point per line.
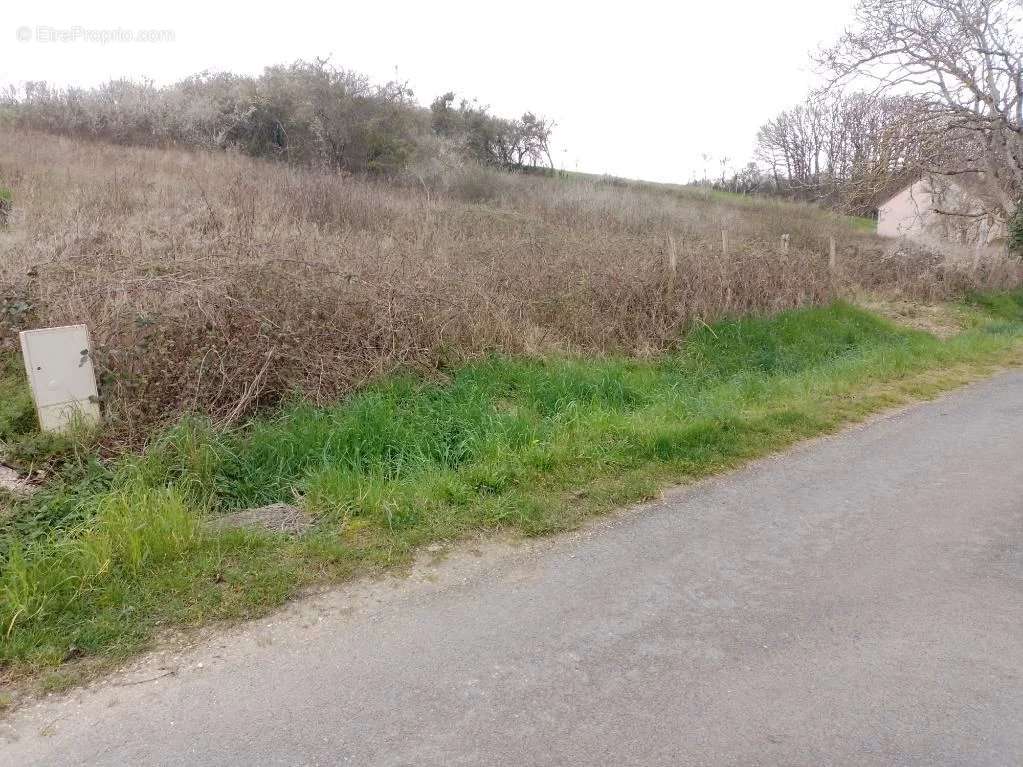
x=857, y=600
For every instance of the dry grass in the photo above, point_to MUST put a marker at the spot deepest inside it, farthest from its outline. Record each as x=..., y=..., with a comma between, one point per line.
x=218, y=284
x=943, y=320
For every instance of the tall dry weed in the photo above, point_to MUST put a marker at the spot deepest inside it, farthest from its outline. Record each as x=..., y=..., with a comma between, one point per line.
x=219, y=284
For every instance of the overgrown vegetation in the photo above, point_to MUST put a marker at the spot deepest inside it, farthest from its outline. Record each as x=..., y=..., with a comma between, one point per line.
x=22, y=445
x=97, y=561
x=308, y=113
x=17, y=414
x=218, y=285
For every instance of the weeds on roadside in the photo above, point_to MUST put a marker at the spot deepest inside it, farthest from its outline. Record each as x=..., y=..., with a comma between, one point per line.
x=94, y=564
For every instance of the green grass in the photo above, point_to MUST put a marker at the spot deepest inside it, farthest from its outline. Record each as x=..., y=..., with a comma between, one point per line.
x=17, y=413
x=699, y=192
x=109, y=553
x=1002, y=307
x=21, y=444
x=863, y=224
x=857, y=223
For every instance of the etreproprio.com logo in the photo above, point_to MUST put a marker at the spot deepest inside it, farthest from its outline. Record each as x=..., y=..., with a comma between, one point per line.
x=78, y=34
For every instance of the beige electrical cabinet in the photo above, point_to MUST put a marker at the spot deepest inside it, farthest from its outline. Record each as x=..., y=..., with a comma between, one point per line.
x=61, y=375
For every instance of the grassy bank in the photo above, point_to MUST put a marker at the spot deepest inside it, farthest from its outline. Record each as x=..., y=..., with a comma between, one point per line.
x=110, y=552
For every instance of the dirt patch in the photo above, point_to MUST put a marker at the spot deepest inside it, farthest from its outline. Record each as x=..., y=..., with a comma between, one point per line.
x=14, y=483
x=941, y=320
x=277, y=518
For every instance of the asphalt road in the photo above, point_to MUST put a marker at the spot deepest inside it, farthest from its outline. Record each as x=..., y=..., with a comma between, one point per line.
x=858, y=600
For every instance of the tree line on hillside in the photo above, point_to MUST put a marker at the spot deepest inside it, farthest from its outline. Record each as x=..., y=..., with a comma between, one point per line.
x=309, y=112
x=846, y=151
x=914, y=87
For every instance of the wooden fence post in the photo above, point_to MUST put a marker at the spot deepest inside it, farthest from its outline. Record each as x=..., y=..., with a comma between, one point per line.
x=724, y=242
x=672, y=255
x=832, y=255
x=672, y=262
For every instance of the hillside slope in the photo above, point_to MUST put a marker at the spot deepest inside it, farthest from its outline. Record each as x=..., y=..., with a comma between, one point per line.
x=216, y=283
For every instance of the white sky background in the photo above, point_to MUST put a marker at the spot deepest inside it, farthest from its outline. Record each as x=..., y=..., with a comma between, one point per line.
x=638, y=89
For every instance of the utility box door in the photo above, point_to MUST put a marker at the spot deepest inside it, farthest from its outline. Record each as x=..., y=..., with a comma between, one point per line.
x=60, y=372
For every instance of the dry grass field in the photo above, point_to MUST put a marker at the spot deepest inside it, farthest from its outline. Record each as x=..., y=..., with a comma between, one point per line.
x=218, y=284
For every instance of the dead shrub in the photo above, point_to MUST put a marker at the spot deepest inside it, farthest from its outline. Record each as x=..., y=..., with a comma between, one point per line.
x=476, y=183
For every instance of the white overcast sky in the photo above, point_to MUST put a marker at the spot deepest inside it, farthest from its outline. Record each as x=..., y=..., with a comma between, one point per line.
x=638, y=89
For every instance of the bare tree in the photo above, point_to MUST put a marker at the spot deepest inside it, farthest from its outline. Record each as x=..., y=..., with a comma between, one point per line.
x=963, y=59
x=847, y=151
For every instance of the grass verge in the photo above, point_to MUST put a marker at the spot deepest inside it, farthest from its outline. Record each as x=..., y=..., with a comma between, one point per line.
x=110, y=552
